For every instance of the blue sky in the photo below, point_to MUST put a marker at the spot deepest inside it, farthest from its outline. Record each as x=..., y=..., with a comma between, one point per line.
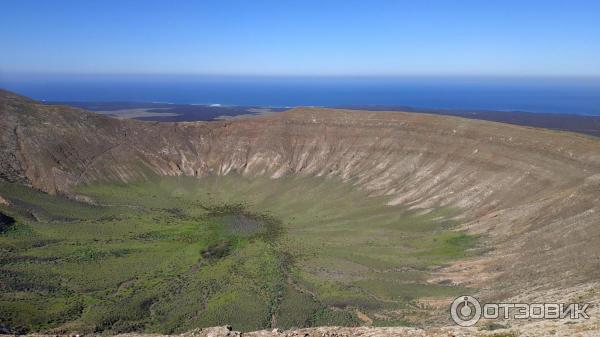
x=279, y=37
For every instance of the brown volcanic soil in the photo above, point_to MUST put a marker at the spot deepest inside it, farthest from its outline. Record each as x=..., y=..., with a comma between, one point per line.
x=586, y=329
x=533, y=193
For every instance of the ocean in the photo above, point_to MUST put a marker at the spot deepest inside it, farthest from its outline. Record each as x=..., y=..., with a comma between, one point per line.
x=549, y=95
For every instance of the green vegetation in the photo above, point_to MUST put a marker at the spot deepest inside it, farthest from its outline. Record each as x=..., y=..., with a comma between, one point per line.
x=177, y=253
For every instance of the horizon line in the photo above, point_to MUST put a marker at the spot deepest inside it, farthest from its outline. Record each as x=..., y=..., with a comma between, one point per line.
x=5, y=74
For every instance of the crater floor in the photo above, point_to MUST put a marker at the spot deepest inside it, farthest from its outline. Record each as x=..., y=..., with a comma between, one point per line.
x=172, y=254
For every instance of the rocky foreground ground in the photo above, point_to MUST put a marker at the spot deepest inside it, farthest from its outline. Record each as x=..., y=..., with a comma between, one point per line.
x=542, y=328
x=585, y=328
x=545, y=328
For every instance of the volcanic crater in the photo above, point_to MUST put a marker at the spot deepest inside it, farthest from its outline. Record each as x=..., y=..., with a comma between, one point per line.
x=437, y=205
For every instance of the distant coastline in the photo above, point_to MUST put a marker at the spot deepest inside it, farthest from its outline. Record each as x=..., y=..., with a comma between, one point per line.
x=171, y=112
